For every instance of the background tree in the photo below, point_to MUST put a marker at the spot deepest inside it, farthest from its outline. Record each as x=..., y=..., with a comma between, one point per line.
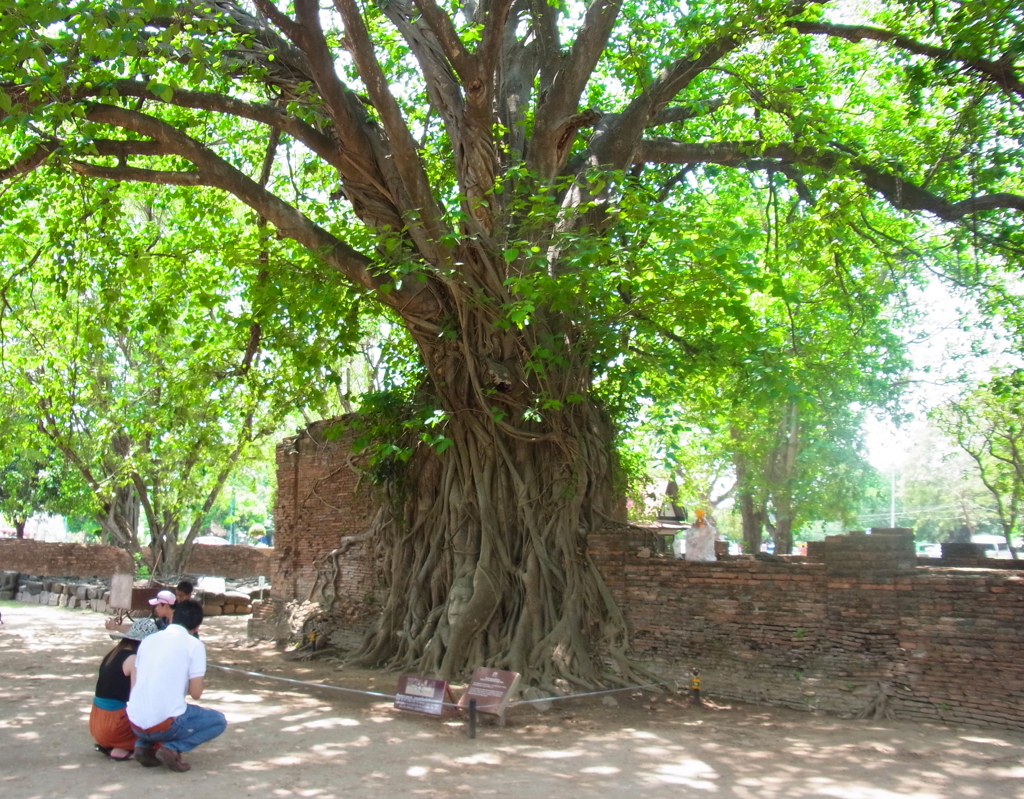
x=34, y=480
x=142, y=359
x=522, y=186
x=988, y=424
x=937, y=490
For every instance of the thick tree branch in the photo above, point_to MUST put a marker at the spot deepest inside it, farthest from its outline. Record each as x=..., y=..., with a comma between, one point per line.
x=406, y=156
x=1003, y=73
x=215, y=172
x=494, y=15
x=162, y=177
x=559, y=104
x=286, y=24
x=444, y=31
x=616, y=141
x=274, y=117
x=468, y=119
x=373, y=196
x=30, y=162
x=899, y=192
x=545, y=28
x=679, y=113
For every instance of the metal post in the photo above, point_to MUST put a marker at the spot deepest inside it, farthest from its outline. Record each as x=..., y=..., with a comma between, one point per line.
x=472, y=718
x=695, y=688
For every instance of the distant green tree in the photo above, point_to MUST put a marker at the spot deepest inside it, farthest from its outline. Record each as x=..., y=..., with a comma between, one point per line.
x=34, y=478
x=987, y=422
x=151, y=362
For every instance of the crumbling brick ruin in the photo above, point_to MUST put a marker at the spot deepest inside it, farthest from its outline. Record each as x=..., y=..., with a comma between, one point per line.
x=860, y=626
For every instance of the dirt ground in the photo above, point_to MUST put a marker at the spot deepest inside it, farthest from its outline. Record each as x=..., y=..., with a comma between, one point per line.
x=290, y=740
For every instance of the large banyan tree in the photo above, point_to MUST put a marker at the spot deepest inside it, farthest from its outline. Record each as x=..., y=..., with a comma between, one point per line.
x=542, y=194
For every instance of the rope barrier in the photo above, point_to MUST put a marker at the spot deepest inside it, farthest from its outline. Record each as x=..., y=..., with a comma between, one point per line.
x=673, y=683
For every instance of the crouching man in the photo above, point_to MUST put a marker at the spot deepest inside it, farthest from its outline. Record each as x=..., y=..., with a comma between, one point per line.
x=169, y=665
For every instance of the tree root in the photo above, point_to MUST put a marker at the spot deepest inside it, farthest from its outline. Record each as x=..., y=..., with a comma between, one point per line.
x=879, y=707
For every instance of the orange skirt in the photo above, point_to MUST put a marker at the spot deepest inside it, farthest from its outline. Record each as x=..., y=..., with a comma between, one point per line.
x=111, y=728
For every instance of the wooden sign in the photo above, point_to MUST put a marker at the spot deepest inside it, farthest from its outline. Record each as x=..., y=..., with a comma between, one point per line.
x=491, y=688
x=423, y=695
x=120, y=591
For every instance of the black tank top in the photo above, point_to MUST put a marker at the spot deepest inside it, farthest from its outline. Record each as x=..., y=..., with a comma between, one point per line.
x=113, y=683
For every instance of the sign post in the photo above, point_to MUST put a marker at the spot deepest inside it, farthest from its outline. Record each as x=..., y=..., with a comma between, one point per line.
x=490, y=690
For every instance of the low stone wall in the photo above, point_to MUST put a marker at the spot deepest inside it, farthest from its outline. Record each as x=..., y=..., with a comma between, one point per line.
x=65, y=593
x=84, y=560
x=863, y=631
x=71, y=592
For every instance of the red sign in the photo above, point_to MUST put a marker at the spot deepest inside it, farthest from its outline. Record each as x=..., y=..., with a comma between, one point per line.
x=423, y=695
x=491, y=689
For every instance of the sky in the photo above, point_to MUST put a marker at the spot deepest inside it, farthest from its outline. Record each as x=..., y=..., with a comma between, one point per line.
x=941, y=351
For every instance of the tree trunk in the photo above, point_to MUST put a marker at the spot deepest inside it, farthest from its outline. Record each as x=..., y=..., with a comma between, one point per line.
x=752, y=518
x=19, y=527
x=782, y=532
x=485, y=549
x=120, y=519
x=167, y=556
x=752, y=513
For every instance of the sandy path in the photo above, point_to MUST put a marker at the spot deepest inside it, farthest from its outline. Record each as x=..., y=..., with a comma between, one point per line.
x=288, y=741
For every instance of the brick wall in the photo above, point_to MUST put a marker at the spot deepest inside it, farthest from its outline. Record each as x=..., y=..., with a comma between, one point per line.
x=863, y=630
x=94, y=560
x=233, y=562
x=321, y=500
x=859, y=626
x=63, y=560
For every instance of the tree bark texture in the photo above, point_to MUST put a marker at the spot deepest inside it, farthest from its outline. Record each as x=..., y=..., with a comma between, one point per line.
x=485, y=549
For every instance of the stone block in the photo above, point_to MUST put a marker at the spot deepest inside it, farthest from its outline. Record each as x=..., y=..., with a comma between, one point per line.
x=213, y=610
x=53, y=599
x=6, y=595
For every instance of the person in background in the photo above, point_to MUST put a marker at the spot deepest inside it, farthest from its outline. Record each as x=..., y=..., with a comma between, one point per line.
x=163, y=608
x=170, y=665
x=108, y=720
x=184, y=590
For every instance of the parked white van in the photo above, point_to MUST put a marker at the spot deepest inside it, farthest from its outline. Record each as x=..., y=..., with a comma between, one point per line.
x=995, y=546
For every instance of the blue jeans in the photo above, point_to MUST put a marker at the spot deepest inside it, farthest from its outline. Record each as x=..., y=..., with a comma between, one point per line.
x=193, y=727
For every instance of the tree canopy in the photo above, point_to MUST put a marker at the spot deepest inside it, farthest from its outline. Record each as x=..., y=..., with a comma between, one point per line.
x=555, y=201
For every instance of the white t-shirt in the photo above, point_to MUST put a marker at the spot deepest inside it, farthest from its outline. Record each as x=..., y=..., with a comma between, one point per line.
x=166, y=661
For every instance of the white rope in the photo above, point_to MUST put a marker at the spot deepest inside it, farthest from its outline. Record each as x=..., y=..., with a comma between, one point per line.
x=674, y=683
